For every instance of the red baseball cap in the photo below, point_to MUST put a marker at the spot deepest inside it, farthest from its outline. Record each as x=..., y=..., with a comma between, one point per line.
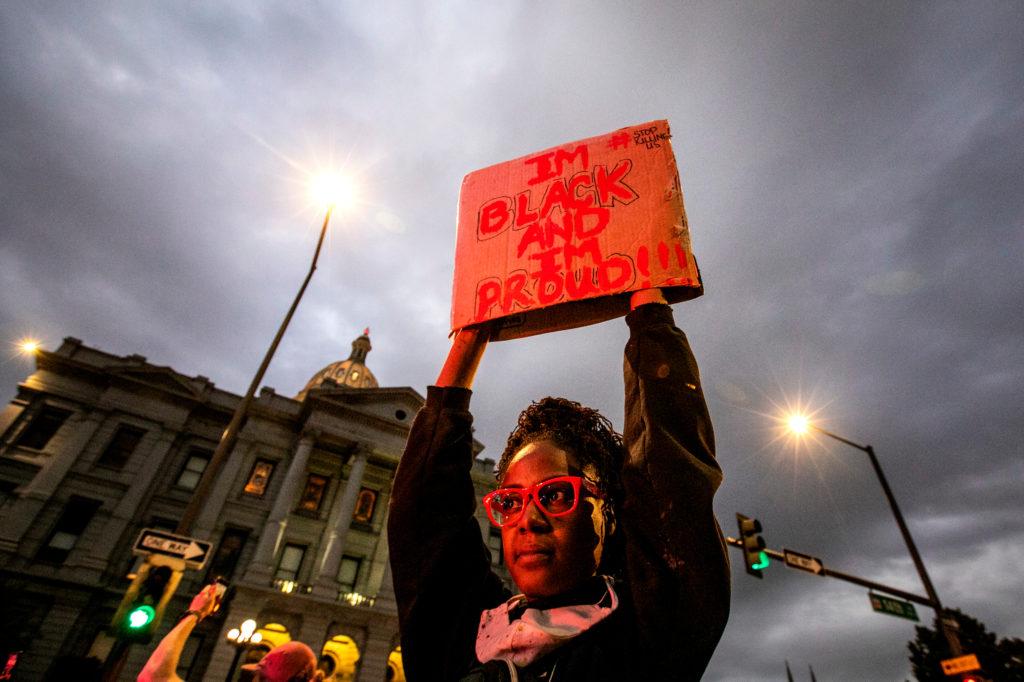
x=291, y=660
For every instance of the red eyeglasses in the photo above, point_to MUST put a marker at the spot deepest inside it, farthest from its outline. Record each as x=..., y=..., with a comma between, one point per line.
x=555, y=497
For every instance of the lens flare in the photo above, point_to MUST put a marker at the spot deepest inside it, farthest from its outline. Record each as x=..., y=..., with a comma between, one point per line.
x=29, y=346
x=798, y=424
x=332, y=189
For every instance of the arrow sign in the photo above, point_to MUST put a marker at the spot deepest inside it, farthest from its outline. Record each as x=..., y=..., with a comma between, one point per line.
x=193, y=552
x=803, y=562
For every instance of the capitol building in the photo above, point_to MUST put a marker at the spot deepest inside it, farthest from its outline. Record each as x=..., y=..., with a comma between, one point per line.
x=96, y=447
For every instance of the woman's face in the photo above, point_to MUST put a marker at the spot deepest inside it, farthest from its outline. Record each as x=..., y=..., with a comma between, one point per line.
x=548, y=556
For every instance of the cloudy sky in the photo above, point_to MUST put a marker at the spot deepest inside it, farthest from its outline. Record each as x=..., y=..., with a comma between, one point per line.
x=853, y=178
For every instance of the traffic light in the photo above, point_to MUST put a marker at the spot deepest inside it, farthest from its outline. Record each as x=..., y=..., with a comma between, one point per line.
x=142, y=607
x=755, y=559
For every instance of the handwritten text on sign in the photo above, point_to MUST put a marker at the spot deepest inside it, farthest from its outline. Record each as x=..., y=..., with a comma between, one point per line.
x=592, y=218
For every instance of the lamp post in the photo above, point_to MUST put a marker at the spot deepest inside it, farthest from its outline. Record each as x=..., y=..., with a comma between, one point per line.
x=240, y=638
x=326, y=189
x=800, y=425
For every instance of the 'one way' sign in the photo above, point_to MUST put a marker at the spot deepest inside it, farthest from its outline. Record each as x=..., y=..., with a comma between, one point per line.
x=193, y=552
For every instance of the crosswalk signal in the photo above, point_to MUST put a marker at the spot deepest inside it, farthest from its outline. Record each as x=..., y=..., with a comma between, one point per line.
x=755, y=559
x=143, y=604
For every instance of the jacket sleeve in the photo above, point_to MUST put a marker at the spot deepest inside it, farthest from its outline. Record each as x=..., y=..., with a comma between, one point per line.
x=440, y=565
x=677, y=566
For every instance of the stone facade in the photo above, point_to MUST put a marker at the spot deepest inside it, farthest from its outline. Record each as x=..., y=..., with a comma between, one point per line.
x=96, y=447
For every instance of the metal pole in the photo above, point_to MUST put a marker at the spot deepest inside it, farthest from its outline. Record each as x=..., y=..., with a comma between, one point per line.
x=234, y=661
x=951, y=638
x=856, y=580
x=230, y=435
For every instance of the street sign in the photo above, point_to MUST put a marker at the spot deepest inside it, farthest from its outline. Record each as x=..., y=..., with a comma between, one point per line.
x=803, y=562
x=893, y=606
x=961, y=664
x=193, y=552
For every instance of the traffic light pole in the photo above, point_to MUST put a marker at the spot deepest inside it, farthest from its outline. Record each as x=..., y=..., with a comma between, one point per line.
x=856, y=580
x=947, y=631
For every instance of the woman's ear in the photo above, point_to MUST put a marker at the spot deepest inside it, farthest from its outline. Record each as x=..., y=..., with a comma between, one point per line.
x=609, y=520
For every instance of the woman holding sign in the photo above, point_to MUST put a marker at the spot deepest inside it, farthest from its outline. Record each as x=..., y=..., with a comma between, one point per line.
x=611, y=540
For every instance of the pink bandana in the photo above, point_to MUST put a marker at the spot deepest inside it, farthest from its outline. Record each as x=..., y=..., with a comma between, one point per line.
x=538, y=631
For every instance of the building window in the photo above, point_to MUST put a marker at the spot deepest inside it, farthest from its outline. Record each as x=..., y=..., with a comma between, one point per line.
x=365, y=504
x=70, y=526
x=121, y=446
x=225, y=559
x=7, y=489
x=259, y=478
x=290, y=563
x=348, y=573
x=194, y=467
x=313, y=493
x=42, y=427
x=494, y=543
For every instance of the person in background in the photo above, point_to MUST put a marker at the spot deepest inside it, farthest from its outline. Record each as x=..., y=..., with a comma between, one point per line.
x=289, y=662
x=612, y=541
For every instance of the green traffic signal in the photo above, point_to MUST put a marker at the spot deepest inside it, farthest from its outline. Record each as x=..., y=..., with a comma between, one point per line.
x=140, y=616
x=755, y=559
x=144, y=602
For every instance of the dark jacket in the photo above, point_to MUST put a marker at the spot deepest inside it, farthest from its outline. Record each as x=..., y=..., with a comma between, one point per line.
x=674, y=595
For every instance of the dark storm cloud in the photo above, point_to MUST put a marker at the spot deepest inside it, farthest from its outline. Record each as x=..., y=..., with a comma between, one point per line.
x=853, y=180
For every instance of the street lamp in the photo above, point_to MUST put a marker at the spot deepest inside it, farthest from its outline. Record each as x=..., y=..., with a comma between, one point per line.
x=800, y=425
x=29, y=346
x=240, y=638
x=332, y=190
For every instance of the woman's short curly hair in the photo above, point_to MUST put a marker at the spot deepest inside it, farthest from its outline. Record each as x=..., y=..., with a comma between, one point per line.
x=581, y=431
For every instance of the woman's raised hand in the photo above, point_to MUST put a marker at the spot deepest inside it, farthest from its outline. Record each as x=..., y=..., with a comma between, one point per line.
x=464, y=356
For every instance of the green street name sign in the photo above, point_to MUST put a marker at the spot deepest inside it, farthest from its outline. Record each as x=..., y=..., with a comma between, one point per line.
x=893, y=606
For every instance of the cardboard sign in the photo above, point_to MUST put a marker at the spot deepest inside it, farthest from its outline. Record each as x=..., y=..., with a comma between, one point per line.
x=558, y=239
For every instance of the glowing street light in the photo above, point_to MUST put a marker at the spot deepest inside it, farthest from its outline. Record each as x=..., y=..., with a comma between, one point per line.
x=240, y=638
x=331, y=190
x=29, y=346
x=799, y=425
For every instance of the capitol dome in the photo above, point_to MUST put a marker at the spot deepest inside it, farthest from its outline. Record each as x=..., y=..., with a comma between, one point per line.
x=350, y=373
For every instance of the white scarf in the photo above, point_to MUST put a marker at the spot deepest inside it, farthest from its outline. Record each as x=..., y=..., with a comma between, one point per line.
x=538, y=631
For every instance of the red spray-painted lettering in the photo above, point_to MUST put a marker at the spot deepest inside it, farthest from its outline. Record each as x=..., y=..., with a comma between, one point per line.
x=598, y=187
x=558, y=236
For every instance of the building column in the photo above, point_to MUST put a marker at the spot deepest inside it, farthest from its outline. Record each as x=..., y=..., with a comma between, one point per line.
x=262, y=566
x=128, y=506
x=373, y=664
x=379, y=583
x=333, y=541
x=34, y=495
x=314, y=628
x=385, y=597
